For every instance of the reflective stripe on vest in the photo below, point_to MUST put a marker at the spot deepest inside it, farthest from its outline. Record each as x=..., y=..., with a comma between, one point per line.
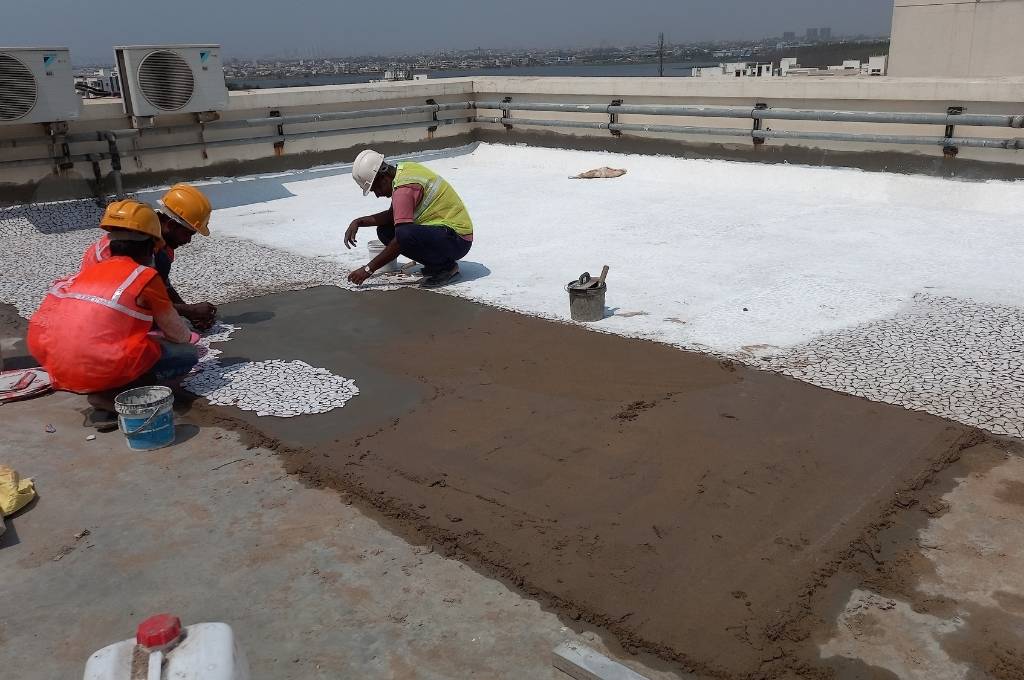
x=101, y=251
x=441, y=205
x=115, y=300
x=101, y=345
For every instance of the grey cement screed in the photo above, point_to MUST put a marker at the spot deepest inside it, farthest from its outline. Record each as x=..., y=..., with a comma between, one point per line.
x=950, y=357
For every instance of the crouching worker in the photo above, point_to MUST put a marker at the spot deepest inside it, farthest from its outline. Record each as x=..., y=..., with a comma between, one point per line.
x=184, y=211
x=112, y=326
x=427, y=221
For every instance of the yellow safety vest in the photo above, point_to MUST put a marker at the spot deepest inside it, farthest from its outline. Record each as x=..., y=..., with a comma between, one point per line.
x=441, y=206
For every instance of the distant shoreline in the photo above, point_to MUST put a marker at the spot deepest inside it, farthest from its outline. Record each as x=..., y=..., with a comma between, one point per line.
x=672, y=70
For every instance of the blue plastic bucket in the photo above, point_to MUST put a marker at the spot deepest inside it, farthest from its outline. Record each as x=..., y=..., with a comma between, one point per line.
x=146, y=417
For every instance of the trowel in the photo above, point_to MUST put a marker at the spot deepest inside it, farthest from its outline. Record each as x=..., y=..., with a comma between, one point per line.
x=585, y=281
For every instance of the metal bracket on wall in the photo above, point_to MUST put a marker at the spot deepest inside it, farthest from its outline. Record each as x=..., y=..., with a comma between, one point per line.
x=202, y=118
x=279, y=144
x=60, y=150
x=760, y=106
x=97, y=174
x=613, y=117
x=143, y=122
x=207, y=117
x=433, y=116
x=506, y=112
x=950, y=151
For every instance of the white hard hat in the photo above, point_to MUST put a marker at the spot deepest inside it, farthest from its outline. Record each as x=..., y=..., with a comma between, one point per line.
x=365, y=169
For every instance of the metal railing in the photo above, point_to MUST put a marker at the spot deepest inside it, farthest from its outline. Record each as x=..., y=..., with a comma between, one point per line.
x=758, y=113
x=113, y=154
x=60, y=154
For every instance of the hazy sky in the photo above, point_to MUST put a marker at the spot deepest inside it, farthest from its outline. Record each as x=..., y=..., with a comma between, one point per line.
x=349, y=27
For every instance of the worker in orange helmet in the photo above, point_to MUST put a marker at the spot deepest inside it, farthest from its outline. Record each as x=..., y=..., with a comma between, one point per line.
x=183, y=211
x=112, y=326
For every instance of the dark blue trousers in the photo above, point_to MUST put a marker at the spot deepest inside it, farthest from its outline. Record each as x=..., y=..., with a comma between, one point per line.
x=433, y=247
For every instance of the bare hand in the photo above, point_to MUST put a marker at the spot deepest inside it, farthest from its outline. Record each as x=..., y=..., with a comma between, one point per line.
x=202, y=315
x=358, y=276
x=350, y=234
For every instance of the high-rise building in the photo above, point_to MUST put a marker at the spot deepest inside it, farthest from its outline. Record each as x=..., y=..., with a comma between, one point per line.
x=812, y=34
x=825, y=33
x=789, y=35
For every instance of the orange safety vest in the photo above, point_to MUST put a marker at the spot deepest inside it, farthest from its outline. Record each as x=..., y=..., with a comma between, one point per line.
x=90, y=333
x=96, y=253
x=100, y=251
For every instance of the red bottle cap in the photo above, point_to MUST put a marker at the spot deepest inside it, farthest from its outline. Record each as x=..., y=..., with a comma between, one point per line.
x=158, y=631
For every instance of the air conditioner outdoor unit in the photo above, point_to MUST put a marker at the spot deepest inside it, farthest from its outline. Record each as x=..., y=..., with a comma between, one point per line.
x=37, y=86
x=163, y=79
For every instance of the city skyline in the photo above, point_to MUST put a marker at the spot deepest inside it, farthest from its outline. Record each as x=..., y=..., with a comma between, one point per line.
x=321, y=28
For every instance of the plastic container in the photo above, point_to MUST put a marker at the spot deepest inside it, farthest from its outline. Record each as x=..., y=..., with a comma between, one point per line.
x=146, y=417
x=586, y=304
x=376, y=248
x=164, y=650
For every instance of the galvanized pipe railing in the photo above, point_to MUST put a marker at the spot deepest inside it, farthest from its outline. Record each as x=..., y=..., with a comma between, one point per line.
x=975, y=142
x=756, y=114
x=90, y=157
x=248, y=122
x=697, y=111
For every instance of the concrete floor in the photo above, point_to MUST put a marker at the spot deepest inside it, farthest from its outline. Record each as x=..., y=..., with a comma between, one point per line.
x=211, y=531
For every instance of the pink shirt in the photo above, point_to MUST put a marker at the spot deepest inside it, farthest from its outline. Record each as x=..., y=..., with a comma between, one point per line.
x=404, y=200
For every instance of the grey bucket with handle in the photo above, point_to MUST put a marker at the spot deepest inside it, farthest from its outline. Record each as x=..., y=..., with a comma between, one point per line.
x=586, y=297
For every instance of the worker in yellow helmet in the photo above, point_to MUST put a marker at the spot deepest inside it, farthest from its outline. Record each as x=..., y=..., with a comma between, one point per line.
x=183, y=211
x=94, y=332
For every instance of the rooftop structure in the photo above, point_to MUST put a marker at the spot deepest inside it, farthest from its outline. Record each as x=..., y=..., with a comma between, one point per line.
x=949, y=38
x=875, y=66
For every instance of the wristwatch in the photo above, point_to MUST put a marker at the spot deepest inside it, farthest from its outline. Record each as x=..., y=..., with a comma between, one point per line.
x=366, y=268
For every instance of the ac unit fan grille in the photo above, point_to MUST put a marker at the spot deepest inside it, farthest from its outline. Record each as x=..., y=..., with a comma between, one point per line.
x=166, y=80
x=18, y=90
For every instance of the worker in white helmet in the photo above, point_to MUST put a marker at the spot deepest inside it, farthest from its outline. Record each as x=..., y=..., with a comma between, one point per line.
x=427, y=221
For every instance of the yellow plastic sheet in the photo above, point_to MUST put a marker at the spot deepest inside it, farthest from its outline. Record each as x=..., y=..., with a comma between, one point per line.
x=15, y=493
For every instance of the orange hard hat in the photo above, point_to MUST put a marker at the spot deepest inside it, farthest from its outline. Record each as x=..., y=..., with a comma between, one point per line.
x=189, y=207
x=133, y=216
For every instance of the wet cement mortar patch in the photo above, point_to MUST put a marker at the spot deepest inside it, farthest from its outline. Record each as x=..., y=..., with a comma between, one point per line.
x=687, y=505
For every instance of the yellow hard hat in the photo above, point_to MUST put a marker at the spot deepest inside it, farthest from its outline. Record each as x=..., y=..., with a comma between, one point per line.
x=188, y=206
x=133, y=216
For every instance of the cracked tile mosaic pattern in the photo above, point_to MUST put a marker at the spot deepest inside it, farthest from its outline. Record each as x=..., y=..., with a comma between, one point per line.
x=271, y=388
x=950, y=357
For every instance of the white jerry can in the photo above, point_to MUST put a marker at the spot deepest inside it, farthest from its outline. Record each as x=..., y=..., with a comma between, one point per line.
x=164, y=650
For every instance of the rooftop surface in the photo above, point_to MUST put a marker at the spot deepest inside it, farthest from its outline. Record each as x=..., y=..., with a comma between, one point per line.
x=806, y=524
x=850, y=280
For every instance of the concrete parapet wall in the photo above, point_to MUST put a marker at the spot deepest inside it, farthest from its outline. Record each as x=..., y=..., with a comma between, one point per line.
x=192, y=150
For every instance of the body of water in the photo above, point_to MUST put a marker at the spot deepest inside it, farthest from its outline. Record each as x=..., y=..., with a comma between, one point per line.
x=677, y=70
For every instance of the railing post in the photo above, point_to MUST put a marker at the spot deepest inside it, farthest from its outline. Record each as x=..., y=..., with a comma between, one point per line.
x=433, y=116
x=950, y=151
x=279, y=144
x=506, y=112
x=760, y=106
x=613, y=117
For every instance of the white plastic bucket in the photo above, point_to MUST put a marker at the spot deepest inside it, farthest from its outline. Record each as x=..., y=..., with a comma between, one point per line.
x=146, y=418
x=376, y=248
